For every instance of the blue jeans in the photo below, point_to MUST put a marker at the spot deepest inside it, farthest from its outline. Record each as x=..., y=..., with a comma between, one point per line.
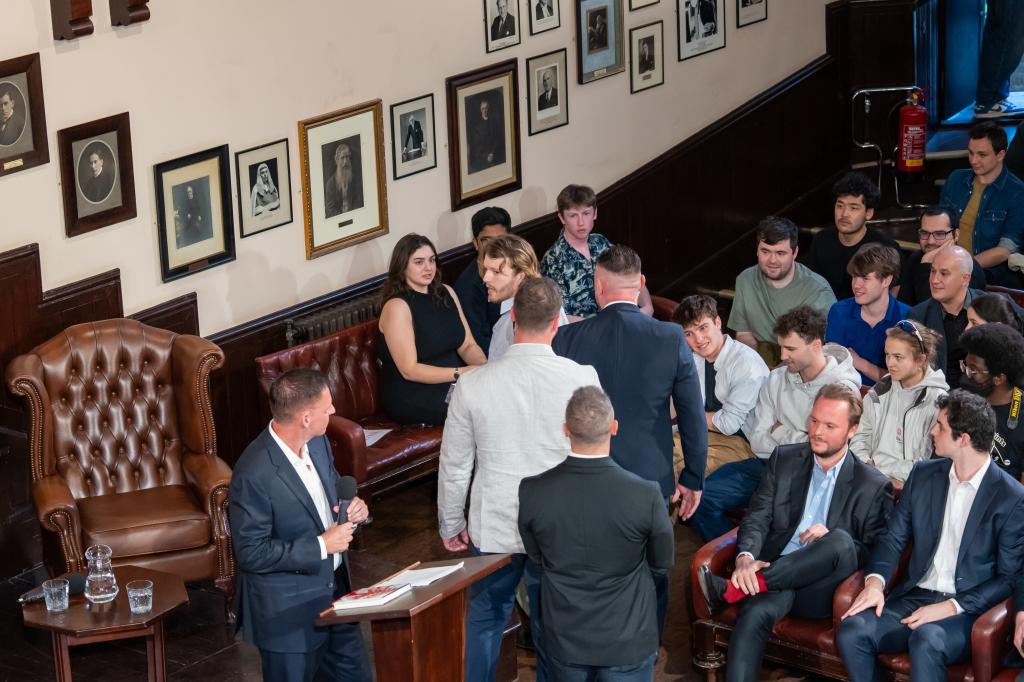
x=570, y=672
x=728, y=487
x=932, y=646
x=1002, y=46
x=490, y=606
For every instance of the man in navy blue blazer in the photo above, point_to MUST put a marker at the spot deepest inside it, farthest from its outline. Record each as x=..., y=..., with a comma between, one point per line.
x=289, y=549
x=964, y=517
x=643, y=364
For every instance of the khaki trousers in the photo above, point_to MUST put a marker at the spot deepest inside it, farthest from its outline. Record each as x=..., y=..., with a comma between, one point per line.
x=722, y=449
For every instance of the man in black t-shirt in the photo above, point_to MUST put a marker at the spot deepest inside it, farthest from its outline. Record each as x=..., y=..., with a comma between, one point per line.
x=938, y=228
x=832, y=248
x=994, y=368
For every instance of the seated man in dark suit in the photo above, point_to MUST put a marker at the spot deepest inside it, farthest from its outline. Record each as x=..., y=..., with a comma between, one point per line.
x=487, y=223
x=643, y=364
x=289, y=549
x=964, y=518
x=812, y=522
x=600, y=533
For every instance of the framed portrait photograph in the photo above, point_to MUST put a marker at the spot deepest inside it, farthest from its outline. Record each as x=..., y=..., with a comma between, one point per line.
x=344, y=191
x=545, y=15
x=263, y=177
x=413, y=140
x=750, y=12
x=501, y=24
x=22, y=115
x=599, y=39
x=646, y=57
x=97, y=178
x=700, y=27
x=638, y=4
x=193, y=202
x=547, y=92
x=483, y=133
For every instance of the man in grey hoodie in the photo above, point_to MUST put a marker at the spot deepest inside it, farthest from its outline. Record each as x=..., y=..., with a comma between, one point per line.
x=780, y=418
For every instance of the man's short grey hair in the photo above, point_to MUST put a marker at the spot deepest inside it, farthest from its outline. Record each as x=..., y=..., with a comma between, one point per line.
x=589, y=415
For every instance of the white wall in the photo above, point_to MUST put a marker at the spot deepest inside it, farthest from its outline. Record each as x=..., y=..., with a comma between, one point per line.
x=202, y=73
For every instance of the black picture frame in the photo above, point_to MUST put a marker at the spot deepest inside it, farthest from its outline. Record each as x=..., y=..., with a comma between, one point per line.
x=275, y=155
x=401, y=166
x=494, y=27
x=193, y=251
x=24, y=145
x=545, y=24
x=689, y=32
x=541, y=123
x=594, y=50
x=746, y=17
x=640, y=4
x=639, y=78
x=115, y=200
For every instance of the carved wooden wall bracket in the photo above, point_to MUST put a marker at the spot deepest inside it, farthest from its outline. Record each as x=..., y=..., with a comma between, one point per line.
x=127, y=12
x=71, y=18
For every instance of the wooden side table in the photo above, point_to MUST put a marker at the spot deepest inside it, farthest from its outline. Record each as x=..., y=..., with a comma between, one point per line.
x=87, y=623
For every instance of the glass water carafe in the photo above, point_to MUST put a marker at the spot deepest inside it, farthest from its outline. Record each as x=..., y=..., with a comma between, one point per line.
x=100, y=585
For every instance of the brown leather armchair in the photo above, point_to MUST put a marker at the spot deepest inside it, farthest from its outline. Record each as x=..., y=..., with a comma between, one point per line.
x=349, y=359
x=123, y=451
x=811, y=644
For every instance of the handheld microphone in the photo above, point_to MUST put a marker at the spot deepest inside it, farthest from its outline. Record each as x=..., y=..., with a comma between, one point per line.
x=347, y=489
x=76, y=585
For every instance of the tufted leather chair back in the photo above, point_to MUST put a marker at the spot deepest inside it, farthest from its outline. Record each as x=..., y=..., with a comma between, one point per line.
x=348, y=358
x=111, y=421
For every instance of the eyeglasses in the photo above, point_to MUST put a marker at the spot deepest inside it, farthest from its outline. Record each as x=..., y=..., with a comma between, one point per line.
x=971, y=372
x=910, y=328
x=938, y=235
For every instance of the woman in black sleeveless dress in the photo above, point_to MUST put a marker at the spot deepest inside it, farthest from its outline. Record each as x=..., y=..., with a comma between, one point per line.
x=424, y=342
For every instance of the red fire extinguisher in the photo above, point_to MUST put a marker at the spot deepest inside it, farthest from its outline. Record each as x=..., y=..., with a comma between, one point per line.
x=913, y=129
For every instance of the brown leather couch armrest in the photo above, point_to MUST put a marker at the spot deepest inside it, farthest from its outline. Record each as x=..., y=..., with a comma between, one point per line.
x=58, y=512
x=193, y=360
x=719, y=554
x=348, y=443
x=990, y=640
x=25, y=378
x=663, y=307
x=844, y=595
x=210, y=477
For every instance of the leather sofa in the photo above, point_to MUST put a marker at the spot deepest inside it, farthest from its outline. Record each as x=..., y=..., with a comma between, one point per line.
x=123, y=450
x=811, y=644
x=349, y=359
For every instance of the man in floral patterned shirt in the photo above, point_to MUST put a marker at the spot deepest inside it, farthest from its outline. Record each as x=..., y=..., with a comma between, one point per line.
x=570, y=260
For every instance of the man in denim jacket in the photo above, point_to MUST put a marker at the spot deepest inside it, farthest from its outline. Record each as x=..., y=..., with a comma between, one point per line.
x=990, y=202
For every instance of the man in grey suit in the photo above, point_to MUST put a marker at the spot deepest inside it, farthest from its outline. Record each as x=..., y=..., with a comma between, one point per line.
x=599, y=533
x=505, y=420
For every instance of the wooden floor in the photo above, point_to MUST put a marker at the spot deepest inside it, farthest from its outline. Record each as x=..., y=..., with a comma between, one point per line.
x=201, y=647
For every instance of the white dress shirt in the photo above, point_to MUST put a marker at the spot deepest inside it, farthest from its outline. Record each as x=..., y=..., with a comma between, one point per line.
x=739, y=375
x=303, y=465
x=503, y=332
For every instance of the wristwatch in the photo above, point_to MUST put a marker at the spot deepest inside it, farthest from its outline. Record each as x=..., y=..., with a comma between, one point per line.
x=456, y=376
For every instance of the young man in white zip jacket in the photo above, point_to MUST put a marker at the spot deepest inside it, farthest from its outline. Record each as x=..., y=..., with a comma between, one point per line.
x=900, y=411
x=780, y=418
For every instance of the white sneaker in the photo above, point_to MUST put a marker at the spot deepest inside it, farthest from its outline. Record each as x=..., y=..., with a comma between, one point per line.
x=1004, y=108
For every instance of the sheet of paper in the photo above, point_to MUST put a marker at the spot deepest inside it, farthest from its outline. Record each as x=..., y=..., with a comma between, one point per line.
x=420, y=577
x=374, y=435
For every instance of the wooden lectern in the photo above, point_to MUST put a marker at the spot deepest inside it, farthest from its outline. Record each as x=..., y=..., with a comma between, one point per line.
x=421, y=636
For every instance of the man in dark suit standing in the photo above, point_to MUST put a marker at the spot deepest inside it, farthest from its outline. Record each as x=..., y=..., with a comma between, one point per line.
x=643, y=364
x=289, y=551
x=504, y=25
x=964, y=517
x=600, y=534
x=812, y=522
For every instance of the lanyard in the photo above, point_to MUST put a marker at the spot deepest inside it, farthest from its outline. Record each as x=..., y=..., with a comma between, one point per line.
x=1011, y=421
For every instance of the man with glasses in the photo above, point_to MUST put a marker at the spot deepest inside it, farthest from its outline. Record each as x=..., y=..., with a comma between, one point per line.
x=939, y=227
x=994, y=369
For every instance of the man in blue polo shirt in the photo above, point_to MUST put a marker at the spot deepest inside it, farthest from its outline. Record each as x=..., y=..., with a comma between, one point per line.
x=990, y=202
x=859, y=323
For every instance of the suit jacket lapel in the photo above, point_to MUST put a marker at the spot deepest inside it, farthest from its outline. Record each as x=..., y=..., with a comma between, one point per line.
x=938, y=490
x=801, y=488
x=286, y=472
x=321, y=458
x=982, y=500
x=844, y=486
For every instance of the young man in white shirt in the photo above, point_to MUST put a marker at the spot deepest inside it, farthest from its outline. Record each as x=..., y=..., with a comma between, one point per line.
x=731, y=375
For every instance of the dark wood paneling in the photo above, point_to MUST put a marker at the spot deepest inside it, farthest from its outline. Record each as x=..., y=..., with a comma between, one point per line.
x=179, y=315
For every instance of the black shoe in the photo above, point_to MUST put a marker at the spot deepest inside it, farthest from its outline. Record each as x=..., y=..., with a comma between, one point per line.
x=713, y=589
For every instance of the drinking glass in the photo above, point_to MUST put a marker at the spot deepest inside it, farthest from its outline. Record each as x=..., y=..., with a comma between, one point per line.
x=56, y=594
x=140, y=596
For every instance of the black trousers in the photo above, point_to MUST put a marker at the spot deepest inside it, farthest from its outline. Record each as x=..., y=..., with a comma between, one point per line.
x=342, y=657
x=801, y=583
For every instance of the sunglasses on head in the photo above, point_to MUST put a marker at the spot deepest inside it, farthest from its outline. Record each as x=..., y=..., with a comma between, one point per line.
x=910, y=328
